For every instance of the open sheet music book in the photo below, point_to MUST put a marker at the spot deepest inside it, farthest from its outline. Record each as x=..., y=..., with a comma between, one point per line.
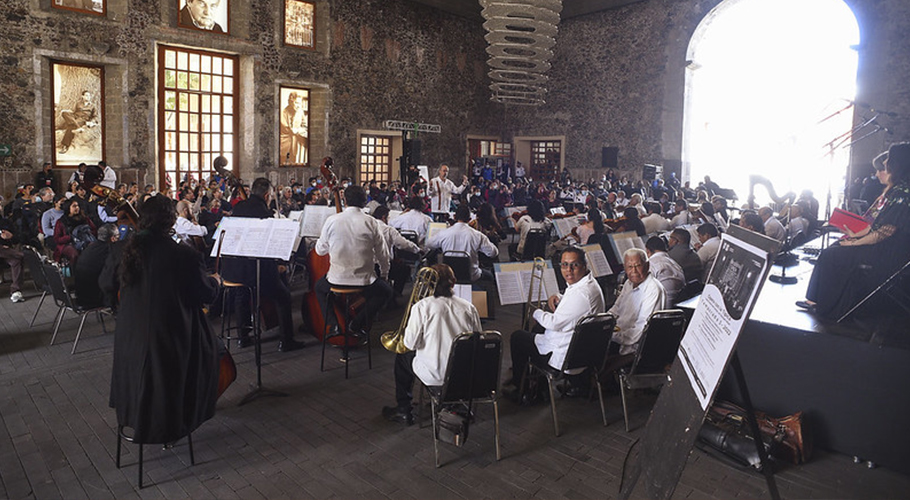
x=260, y=238
x=313, y=219
x=565, y=225
x=513, y=280
x=624, y=241
x=597, y=261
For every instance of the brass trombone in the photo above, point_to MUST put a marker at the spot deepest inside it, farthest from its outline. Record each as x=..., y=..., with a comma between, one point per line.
x=540, y=265
x=424, y=285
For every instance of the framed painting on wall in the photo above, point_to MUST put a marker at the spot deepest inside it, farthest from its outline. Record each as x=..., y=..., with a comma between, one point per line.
x=97, y=7
x=293, y=130
x=204, y=15
x=78, y=133
x=300, y=24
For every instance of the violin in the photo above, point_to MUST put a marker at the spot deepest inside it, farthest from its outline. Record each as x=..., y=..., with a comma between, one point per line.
x=125, y=211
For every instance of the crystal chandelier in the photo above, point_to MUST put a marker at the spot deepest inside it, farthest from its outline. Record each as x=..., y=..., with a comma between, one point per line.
x=521, y=35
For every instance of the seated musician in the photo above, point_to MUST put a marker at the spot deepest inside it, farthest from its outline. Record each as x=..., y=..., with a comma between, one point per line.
x=667, y=271
x=582, y=297
x=271, y=284
x=462, y=238
x=655, y=222
x=536, y=218
x=752, y=221
x=850, y=269
x=681, y=251
x=186, y=227
x=354, y=242
x=681, y=214
x=89, y=266
x=398, y=270
x=414, y=219
x=709, y=243
x=773, y=227
x=432, y=326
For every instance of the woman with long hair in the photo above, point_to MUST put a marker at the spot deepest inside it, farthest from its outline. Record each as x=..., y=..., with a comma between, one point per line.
x=593, y=226
x=72, y=222
x=536, y=218
x=165, y=372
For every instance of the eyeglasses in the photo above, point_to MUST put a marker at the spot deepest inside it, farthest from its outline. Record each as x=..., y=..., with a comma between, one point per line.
x=573, y=265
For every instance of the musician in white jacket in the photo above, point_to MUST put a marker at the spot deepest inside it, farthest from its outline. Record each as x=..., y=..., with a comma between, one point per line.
x=441, y=189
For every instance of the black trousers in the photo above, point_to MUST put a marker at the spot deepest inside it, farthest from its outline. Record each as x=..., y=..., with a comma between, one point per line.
x=404, y=380
x=523, y=351
x=375, y=294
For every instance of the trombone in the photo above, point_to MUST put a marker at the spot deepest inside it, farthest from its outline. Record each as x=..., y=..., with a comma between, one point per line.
x=540, y=265
x=424, y=286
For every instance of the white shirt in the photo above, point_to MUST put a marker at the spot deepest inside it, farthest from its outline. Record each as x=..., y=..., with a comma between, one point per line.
x=526, y=223
x=354, y=243
x=669, y=273
x=655, y=223
x=707, y=252
x=463, y=238
x=583, y=298
x=413, y=220
x=440, y=191
x=183, y=229
x=632, y=310
x=797, y=225
x=110, y=178
x=774, y=229
x=433, y=325
x=681, y=219
x=394, y=239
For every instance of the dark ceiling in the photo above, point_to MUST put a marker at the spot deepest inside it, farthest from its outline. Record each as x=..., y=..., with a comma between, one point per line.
x=570, y=8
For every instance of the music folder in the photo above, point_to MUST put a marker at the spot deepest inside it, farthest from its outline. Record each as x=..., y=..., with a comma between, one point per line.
x=843, y=219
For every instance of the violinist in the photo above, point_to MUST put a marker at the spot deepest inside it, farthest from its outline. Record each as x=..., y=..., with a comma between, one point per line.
x=632, y=222
x=534, y=219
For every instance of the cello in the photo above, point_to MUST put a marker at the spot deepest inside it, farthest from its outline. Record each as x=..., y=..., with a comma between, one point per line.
x=318, y=266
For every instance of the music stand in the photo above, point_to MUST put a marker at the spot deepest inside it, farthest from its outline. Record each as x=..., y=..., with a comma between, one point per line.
x=258, y=390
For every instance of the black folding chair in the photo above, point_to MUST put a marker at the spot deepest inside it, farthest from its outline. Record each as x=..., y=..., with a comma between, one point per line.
x=535, y=244
x=656, y=352
x=460, y=262
x=66, y=302
x=587, y=351
x=472, y=376
x=35, y=262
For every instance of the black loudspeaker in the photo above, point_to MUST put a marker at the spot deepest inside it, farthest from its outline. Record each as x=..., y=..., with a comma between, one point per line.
x=609, y=157
x=415, y=152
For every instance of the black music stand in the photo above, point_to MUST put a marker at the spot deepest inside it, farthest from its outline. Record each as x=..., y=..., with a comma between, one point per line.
x=258, y=390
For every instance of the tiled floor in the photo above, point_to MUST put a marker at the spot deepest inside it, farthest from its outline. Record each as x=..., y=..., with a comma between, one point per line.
x=327, y=439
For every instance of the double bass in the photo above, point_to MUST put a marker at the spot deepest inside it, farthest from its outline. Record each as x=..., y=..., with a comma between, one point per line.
x=318, y=266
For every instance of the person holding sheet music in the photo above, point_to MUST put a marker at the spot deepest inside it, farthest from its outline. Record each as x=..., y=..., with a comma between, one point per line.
x=462, y=238
x=355, y=244
x=271, y=284
x=582, y=297
x=853, y=267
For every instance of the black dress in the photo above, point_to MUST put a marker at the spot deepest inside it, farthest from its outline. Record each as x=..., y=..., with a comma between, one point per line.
x=843, y=275
x=165, y=376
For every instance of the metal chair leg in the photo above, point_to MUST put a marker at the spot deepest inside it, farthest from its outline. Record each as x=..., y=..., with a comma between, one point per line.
x=140, y=466
x=189, y=440
x=119, y=440
x=496, y=426
x=325, y=329
x=101, y=320
x=78, y=333
x=622, y=393
x=57, y=322
x=435, y=437
x=600, y=396
x=553, y=405
x=40, y=302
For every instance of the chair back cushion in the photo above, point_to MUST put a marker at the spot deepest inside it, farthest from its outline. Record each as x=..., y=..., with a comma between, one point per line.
x=535, y=244
x=590, y=341
x=659, y=342
x=460, y=264
x=473, y=369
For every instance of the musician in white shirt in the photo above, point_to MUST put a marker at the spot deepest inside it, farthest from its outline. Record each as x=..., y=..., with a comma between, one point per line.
x=432, y=327
x=355, y=244
x=462, y=238
x=398, y=270
x=708, y=246
x=773, y=227
x=641, y=295
x=185, y=227
x=582, y=297
x=414, y=219
x=441, y=189
x=667, y=271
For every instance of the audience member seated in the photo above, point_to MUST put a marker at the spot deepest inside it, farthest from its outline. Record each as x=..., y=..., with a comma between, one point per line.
x=680, y=243
x=432, y=327
x=667, y=271
x=73, y=232
x=49, y=221
x=91, y=263
x=13, y=257
x=582, y=297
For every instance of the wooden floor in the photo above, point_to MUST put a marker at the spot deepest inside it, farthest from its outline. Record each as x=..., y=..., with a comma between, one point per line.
x=327, y=438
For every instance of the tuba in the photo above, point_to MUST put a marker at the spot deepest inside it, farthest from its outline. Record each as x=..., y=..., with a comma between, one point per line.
x=540, y=265
x=423, y=287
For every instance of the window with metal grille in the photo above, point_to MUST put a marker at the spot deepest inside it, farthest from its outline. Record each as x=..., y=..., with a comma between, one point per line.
x=197, y=116
x=545, y=159
x=375, y=158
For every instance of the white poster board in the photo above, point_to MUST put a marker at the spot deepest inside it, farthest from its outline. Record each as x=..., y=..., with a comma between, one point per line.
x=513, y=281
x=259, y=238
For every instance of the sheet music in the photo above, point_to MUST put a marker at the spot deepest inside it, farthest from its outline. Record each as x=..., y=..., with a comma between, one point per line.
x=262, y=238
x=435, y=227
x=295, y=215
x=463, y=291
x=624, y=241
x=551, y=286
x=564, y=225
x=509, y=285
x=597, y=261
x=557, y=210
x=314, y=217
x=514, y=282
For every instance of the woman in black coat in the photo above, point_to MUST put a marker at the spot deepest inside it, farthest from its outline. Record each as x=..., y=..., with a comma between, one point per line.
x=165, y=374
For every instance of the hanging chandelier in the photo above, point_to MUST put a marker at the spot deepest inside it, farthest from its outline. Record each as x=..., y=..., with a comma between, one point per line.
x=521, y=35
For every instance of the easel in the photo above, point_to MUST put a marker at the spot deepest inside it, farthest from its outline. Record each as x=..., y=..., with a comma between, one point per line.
x=679, y=412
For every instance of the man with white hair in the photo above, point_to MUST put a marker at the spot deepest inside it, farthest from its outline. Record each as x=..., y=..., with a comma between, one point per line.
x=200, y=14
x=186, y=227
x=641, y=295
x=441, y=189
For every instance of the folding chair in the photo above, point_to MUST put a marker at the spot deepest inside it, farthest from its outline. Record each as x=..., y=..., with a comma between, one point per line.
x=472, y=376
x=656, y=352
x=34, y=260
x=587, y=351
x=889, y=287
x=535, y=244
x=65, y=301
x=460, y=262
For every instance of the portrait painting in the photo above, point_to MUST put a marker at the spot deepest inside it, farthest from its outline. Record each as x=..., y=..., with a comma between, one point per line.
x=204, y=15
x=300, y=24
x=97, y=7
x=78, y=92
x=293, y=132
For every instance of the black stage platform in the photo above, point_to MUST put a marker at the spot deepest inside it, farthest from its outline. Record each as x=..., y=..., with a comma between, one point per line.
x=851, y=380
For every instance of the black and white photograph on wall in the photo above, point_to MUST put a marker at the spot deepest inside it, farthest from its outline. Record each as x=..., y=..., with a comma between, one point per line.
x=300, y=24
x=97, y=7
x=78, y=113
x=293, y=132
x=204, y=15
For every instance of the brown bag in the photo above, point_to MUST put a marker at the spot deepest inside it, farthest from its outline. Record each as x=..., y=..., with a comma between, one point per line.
x=793, y=445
